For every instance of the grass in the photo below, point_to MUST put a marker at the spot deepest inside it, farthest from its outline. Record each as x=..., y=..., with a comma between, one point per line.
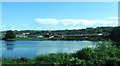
x=68, y=39
x=29, y=39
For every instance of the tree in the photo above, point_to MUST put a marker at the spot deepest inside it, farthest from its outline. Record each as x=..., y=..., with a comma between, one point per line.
x=115, y=34
x=9, y=35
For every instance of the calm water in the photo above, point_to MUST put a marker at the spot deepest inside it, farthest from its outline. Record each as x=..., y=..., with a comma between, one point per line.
x=34, y=48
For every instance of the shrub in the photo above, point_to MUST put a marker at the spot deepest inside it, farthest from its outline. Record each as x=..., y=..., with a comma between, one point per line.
x=85, y=53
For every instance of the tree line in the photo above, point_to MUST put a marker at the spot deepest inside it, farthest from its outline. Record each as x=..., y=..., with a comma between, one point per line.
x=112, y=33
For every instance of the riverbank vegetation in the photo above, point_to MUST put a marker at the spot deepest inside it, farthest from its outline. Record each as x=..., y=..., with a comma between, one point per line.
x=102, y=55
x=61, y=39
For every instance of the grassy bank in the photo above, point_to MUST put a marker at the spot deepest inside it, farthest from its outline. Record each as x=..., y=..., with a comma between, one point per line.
x=102, y=55
x=68, y=39
x=29, y=39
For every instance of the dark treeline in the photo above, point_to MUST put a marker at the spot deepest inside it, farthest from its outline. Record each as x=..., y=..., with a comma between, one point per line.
x=97, y=30
x=98, y=33
x=104, y=30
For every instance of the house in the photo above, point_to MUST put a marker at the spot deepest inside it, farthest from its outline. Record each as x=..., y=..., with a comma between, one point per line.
x=40, y=36
x=100, y=34
x=51, y=36
x=21, y=36
x=25, y=33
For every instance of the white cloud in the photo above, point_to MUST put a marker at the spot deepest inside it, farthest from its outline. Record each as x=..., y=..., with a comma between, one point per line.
x=39, y=28
x=76, y=23
x=13, y=27
x=47, y=21
x=24, y=25
x=114, y=17
x=2, y=26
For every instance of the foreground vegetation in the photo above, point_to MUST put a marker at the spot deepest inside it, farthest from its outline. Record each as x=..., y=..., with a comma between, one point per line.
x=102, y=55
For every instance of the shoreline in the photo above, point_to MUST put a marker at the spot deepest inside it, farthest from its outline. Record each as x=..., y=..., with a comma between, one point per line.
x=56, y=39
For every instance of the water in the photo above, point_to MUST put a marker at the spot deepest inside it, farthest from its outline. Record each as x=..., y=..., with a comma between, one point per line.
x=32, y=49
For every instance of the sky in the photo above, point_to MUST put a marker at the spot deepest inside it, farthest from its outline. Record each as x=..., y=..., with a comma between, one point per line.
x=58, y=15
x=60, y=0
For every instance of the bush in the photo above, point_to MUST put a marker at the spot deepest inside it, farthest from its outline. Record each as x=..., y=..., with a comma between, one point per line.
x=85, y=53
x=60, y=58
x=115, y=34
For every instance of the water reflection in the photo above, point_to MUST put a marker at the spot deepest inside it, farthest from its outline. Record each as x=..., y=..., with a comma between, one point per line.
x=9, y=45
x=46, y=47
x=32, y=49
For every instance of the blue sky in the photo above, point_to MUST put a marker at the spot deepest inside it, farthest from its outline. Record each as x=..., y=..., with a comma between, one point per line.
x=58, y=15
